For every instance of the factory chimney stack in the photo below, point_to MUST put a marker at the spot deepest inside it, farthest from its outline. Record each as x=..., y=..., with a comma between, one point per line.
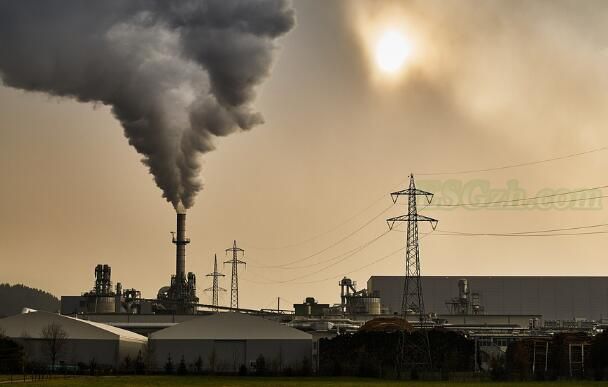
x=180, y=241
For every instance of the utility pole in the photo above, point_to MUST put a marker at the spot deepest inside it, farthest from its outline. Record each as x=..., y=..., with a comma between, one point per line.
x=234, y=286
x=215, y=288
x=415, y=349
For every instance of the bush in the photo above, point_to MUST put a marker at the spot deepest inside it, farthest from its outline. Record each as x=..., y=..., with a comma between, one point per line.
x=198, y=365
x=260, y=366
x=376, y=354
x=306, y=367
x=140, y=364
x=599, y=356
x=181, y=368
x=93, y=366
x=169, y=365
x=127, y=365
x=12, y=355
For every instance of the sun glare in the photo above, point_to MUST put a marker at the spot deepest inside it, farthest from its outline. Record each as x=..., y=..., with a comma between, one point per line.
x=392, y=51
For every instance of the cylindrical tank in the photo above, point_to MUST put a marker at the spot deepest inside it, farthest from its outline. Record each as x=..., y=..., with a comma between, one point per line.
x=101, y=304
x=363, y=305
x=463, y=289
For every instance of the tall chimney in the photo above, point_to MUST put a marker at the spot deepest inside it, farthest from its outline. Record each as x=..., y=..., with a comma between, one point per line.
x=180, y=241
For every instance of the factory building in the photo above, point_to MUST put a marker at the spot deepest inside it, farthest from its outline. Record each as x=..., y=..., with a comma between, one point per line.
x=80, y=341
x=226, y=341
x=553, y=298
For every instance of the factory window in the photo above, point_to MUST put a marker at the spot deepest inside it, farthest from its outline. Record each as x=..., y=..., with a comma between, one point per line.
x=485, y=341
x=501, y=342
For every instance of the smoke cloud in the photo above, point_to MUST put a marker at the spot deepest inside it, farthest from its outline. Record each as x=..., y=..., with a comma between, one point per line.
x=537, y=69
x=175, y=73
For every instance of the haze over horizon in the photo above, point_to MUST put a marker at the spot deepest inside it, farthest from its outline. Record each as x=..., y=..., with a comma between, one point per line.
x=481, y=86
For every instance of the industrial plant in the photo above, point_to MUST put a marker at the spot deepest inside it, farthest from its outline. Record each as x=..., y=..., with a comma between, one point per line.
x=381, y=123
x=492, y=314
x=492, y=311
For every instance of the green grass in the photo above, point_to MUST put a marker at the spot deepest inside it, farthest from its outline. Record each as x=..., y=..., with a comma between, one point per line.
x=167, y=381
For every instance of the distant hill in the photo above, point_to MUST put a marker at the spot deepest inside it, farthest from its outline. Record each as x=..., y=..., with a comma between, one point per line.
x=16, y=297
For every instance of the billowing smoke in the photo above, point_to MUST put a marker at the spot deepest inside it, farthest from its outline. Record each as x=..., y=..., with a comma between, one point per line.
x=176, y=73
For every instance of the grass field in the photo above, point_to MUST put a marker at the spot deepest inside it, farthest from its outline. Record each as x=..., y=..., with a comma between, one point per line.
x=167, y=381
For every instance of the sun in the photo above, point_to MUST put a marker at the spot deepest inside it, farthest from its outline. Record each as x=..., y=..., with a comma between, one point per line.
x=392, y=51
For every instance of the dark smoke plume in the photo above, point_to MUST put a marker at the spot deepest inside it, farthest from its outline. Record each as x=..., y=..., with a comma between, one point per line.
x=176, y=73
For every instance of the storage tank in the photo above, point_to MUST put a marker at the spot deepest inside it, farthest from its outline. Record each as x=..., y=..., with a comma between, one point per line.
x=463, y=289
x=363, y=305
x=101, y=304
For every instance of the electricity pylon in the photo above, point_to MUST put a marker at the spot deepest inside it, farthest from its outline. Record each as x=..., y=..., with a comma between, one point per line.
x=234, y=286
x=414, y=348
x=215, y=288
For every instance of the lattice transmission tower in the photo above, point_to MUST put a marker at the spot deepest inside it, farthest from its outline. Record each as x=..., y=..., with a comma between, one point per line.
x=415, y=348
x=215, y=287
x=234, y=286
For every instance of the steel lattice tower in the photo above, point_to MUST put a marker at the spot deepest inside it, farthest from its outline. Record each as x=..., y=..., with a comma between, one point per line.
x=234, y=286
x=416, y=348
x=215, y=288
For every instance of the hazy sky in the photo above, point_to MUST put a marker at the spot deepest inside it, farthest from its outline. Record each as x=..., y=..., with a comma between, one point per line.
x=486, y=85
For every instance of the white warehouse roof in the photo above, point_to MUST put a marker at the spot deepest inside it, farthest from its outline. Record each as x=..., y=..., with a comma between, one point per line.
x=31, y=324
x=230, y=326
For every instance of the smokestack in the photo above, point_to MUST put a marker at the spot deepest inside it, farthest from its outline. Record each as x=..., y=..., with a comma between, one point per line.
x=182, y=72
x=180, y=241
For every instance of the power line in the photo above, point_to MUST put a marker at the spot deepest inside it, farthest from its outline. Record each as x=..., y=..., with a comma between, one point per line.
x=554, y=202
x=355, y=270
x=530, y=198
x=302, y=259
x=540, y=233
x=348, y=220
x=361, y=248
x=317, y=236
x=514, y=165
x=349, y=252
x=339, y=261
x=535, y=231
x=342, y=273
x=355, y=250
x=522, y=235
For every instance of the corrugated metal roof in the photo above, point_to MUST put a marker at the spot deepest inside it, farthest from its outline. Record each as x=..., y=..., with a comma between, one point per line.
x=31, y=324
x=230, y=326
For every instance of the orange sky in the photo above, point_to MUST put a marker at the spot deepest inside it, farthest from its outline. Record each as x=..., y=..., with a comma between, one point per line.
x=499, y=83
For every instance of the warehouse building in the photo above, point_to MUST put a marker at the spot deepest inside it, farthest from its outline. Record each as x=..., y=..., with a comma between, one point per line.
x=553, y=298
x=224, y=342
x=76, y=341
